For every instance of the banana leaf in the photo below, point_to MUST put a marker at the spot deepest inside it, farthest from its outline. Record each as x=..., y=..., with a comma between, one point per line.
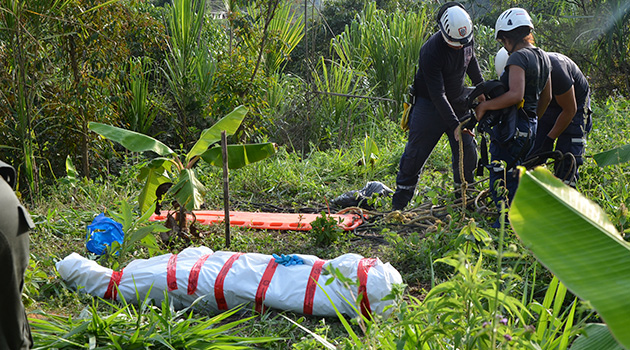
x=614, y=156
x=131, y=140
x=239, y=155
x=72, y=176
x=212, y=135
x=596, y=336
x=188, y=190
x=575, y=240
x=153, y=175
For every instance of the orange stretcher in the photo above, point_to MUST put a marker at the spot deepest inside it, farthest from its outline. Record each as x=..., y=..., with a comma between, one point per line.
x=270, y=221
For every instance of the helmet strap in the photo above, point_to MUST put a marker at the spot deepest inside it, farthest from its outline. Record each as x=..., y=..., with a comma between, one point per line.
x=510, y=51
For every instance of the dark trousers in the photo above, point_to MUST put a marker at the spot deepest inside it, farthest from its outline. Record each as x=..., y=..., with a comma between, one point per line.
x=426, y=127
x=15, y=223
x=572, y=140
x=504, y=159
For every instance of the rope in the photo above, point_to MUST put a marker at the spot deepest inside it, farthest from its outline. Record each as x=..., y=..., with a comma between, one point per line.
x=426, y=217
x=572, y=166
x=462, y=178
x=483, y=208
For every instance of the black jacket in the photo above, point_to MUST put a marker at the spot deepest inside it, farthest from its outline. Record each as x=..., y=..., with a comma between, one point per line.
x=441, y=76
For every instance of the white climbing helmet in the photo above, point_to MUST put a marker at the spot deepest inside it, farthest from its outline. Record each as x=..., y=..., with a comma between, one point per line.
x=500, y=60
x=455, y=24
x=512, y=19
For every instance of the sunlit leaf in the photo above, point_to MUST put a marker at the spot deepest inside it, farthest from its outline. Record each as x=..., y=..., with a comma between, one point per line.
x=131, y=140
x=140, y=233
x=212, y=135
x=150, y=242
x=239, y=155
x=153, y=175
x=99, y=6
x=71, y=171
x=188, y=190
x=288, y=28
x=317, y=337
x=575, y=240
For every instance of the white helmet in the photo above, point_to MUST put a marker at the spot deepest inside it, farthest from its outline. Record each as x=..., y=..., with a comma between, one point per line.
x=455, y=24
x=500, y=60
x=512, y=19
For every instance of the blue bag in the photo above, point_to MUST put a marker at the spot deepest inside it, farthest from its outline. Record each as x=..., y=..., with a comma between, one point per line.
x=288, y=260
x=102, y=232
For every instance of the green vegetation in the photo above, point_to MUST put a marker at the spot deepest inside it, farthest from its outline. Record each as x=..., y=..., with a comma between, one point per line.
x=146, y=326
x=310, y=100
x=186, y=189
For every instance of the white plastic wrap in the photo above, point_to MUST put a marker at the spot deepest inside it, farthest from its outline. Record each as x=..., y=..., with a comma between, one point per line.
x=246, y=279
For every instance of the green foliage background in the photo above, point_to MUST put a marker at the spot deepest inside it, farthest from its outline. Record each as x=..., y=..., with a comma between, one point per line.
x=75, y=58
x=64, y=64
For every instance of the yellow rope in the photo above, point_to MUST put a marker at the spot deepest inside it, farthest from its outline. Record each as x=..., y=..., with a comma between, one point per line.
x=464, y=184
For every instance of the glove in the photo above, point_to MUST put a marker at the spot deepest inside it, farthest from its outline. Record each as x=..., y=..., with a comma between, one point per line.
x=540, y=155
x=547, y=145
x=288, y=260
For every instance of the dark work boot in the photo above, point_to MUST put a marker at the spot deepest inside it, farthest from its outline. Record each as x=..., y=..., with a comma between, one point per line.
x=401, y=198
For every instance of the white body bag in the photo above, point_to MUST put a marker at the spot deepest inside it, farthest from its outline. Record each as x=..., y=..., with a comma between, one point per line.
x=224, y=280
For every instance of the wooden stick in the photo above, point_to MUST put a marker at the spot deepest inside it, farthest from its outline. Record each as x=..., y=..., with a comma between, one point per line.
x=226, y=188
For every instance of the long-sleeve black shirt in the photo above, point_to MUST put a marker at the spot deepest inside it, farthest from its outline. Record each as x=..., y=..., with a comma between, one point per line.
x=441, y=75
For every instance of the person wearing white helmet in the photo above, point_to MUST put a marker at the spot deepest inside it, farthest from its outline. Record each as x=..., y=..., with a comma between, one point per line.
x=439, y=93
x=567, y=119
x=455, y=24
x=500, y=60
x=527, y=77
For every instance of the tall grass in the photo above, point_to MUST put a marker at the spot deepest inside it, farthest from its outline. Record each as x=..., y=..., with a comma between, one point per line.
x=22, y=114
x=474, y=309
x=341, y=110
x=190, y=66
x=285, y=31
x=139, y=111
x=112, y=326
x=385, y=47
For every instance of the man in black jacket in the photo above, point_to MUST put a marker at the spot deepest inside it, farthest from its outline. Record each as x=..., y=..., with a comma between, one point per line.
x=15, y=222
x=439, y=89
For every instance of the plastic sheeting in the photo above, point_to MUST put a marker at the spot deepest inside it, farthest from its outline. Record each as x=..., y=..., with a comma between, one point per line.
x=102, y=232
x=224, y=280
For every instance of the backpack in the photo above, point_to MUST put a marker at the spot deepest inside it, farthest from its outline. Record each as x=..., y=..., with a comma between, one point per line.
x=501, y=124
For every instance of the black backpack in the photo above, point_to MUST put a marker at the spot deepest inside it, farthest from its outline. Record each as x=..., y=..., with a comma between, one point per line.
x=501, y=124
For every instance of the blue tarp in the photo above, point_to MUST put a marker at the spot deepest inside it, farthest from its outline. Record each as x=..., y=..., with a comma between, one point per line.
x=102, y=232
